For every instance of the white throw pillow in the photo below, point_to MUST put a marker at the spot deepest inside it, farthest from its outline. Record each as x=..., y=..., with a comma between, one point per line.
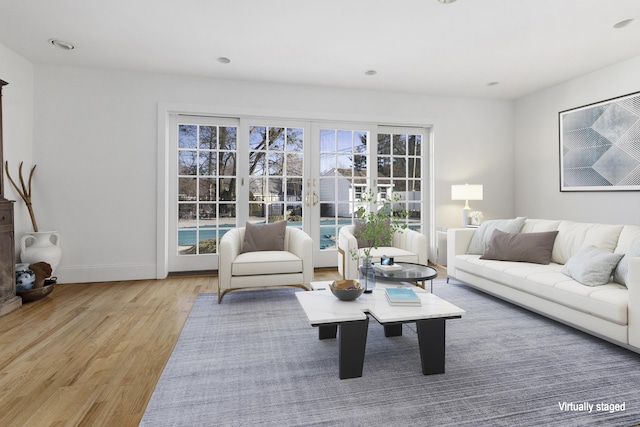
x=592, y=266
x=483, y=234
x=622, y=270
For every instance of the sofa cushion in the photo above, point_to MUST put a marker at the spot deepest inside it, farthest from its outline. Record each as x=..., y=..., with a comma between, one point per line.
x=483, y=233
x=607, y=302
x=265, y=262
x=264, y=237
x=522, y=247
x=592, y=266
x=538, y=225
x=629, y=237
x=622, y=270
x=573, y=237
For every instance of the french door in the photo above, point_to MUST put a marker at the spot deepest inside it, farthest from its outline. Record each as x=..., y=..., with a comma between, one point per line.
x=227, y=171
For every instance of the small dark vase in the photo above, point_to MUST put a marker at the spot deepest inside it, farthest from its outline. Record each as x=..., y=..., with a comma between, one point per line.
x=367, y=275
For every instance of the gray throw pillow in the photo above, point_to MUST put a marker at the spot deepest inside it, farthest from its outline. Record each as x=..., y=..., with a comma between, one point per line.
x=592, y=266
x=522, y=247
x=264, y=237
x=622, y=270
x=483, y=233
x=360, y=229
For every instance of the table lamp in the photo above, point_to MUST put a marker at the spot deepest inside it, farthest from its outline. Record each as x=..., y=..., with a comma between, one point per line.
x=466, y=192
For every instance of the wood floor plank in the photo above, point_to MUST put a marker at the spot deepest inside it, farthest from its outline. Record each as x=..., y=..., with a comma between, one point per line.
x=91, y=354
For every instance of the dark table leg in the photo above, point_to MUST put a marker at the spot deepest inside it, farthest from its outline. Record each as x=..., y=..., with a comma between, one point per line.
x=431, y=339
x=353, y=339
x=393, y=330
x=327, y=331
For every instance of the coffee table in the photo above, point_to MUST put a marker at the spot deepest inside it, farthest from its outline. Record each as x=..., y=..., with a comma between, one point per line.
x=411, y=272
x=349, y=320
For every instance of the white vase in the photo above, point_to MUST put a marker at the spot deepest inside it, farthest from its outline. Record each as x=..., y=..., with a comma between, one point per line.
x=41, y=246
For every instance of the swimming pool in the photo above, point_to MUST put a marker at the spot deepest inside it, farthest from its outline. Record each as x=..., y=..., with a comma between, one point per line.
x=328, y=231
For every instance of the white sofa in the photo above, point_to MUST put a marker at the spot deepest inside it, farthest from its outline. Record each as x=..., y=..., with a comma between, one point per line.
x=407, y=246
x=610, y=311
x=291, y=267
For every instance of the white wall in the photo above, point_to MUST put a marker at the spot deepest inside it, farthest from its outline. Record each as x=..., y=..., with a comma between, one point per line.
x=537, y=150
x=17, y=112
x=95, y=142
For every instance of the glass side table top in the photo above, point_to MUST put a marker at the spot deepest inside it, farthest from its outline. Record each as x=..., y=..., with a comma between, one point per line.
x=411, y=272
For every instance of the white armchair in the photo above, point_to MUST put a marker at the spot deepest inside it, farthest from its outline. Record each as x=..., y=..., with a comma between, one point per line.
x=407, y=246
x=291, y=267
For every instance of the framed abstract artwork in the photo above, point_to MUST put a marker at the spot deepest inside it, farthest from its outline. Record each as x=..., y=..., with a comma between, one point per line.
x=600, y=146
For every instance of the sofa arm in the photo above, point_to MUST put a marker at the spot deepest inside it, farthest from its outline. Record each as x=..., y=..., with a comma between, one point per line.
x=458, y=240
x=412, y=241
x=347, y=243
x=633, y=284
x=300, y=244
x=229, y=249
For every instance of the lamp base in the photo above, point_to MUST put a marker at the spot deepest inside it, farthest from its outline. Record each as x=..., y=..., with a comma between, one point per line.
x=466, y=220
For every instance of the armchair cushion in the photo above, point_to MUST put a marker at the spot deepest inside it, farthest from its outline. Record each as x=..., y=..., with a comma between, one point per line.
x=264, y=237
x=266, y=262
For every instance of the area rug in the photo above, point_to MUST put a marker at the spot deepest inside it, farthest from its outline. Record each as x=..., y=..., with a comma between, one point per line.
x=255, y=360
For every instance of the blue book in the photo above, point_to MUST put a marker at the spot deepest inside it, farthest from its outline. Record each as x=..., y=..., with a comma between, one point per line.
x=402, y=296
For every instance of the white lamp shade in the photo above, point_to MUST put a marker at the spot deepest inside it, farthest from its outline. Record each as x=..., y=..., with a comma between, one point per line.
x=466, y=192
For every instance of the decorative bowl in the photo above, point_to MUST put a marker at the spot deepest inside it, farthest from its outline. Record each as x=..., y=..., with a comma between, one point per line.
x=346, y=290
x=37, y=293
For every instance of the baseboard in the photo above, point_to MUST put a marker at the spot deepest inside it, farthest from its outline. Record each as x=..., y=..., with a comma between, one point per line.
x=105, y=273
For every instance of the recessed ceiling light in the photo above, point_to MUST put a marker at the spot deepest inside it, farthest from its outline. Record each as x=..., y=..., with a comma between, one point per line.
x=446, y=1
x=493, y=83
x=624, y=23
x=223, y=60
x=370, y=73
x=62, y=44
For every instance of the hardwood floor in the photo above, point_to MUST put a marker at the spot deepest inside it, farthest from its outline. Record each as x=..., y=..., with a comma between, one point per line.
x=91, y=354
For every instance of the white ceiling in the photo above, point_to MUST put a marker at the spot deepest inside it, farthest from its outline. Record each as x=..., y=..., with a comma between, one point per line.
x=416, y=46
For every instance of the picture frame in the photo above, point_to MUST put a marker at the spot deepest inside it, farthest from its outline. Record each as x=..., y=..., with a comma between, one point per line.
x=600, y=145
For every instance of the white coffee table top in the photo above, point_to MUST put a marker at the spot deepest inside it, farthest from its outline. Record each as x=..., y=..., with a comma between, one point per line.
x=322, y=307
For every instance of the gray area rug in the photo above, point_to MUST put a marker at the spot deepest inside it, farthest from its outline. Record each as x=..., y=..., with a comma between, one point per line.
x=255, y=360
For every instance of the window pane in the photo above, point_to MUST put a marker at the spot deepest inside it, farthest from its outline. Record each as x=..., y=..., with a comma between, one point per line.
x=294, y=164
x=399, y=167
x=187, y=163
x=327, y=140
x=345, y=161
x=400, y=145
x=384, y=167
x=208, y=189
x=345, y=141
x=228, y=138
x=384, y=144
x=276, y=163
x=187, y=136
x=294, y=189
x=207, y=163
x=227, y=189
x=227, y=165
x=276, y=138
x=327, y=164
x=187, y=189
x=257, y=137
x=208, y=137
x=415, y=145
x=294, y=139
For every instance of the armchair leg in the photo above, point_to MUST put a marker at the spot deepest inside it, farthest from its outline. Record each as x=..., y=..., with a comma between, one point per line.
x=341, y=252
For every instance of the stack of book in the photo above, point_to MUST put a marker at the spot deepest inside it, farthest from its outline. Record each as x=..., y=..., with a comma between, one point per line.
x=392, y=267
x=402, y=296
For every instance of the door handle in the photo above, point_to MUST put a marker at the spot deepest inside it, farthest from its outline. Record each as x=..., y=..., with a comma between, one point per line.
x=316, y=198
